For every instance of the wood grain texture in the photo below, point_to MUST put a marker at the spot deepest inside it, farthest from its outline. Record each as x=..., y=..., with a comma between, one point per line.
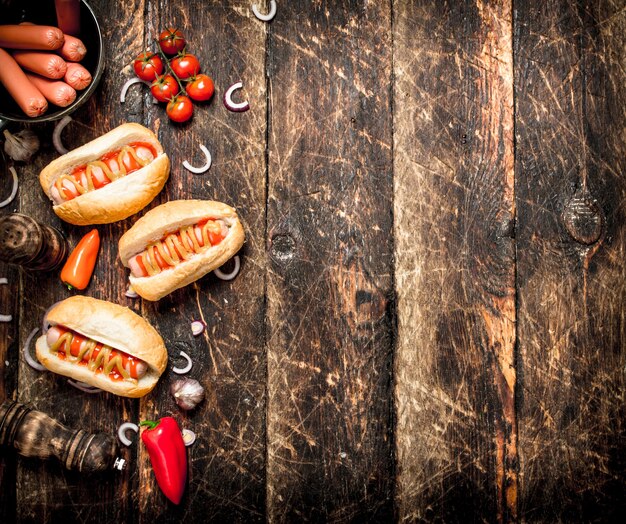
x=45, y=491
x=453, y=190
x=368, y=363
x=570, y=83
x=227, y=462
x=9, y=349
x=329, y=345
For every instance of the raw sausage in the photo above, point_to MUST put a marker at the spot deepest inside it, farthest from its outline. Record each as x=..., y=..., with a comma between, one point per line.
x=57, y=92
x=73, y=49
x=44, y=64
x=42, y=37
x=27, y=96
x=77, y=76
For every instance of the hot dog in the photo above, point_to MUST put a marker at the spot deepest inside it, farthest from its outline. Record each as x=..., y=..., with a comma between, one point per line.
x=25, y=94
x=177, y=243
x=44, y=64
x=77, y=76
x=73, y=49
x=104, y=345
x=107, y=179
x=55, y=91
x=27, y=36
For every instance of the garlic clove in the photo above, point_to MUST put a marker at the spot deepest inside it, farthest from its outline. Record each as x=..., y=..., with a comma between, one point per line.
x=22, y=145
x=187, y=393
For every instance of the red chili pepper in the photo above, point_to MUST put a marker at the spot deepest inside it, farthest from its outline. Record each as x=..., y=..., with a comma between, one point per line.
x=78, y=269
x=168, y=456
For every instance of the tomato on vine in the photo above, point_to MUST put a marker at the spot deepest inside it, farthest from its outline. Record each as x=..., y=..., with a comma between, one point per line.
x=179, y=108
x=164, y=88
x=171, y=41
x=147, y=66
x=185, y=65
x=200, y=88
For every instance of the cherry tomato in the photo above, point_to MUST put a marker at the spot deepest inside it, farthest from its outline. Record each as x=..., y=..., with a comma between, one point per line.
x=171, y=41
x=200, y=88
x=185, y=65
x=164, y=88
x=179, y=108
x=147, y=66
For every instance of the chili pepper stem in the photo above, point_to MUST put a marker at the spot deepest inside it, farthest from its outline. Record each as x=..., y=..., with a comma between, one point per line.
x=150, y=423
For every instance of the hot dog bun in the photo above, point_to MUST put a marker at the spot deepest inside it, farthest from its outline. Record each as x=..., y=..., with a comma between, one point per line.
x=119, y=199
x=115, y=326
x=168, y=218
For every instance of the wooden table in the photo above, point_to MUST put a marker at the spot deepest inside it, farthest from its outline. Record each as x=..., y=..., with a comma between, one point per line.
x=430, y=321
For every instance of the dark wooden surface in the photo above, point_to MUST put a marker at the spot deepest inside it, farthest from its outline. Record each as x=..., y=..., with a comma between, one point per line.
x=429, y=321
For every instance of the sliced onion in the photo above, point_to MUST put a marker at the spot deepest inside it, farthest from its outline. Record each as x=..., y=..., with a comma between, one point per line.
x=189, y=437
x=268, y=16
x=130, y=292
x=237, y=107
x=86, y=388
x=204, y=168
x=197, y=327
x=56, y=135
x=10, y=198
x=187, y=368
x=45, y=325
x=229, y=276
x=4, y=280
x=121, y=432
x=26, y=351
x=129, y=82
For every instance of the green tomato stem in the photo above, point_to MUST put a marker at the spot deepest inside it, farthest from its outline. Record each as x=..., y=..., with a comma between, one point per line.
x=167, y=61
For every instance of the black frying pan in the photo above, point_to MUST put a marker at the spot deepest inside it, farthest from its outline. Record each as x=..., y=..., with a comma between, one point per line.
x=94, y=61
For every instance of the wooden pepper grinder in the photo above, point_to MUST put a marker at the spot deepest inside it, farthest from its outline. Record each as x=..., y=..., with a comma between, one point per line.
x=34, y=434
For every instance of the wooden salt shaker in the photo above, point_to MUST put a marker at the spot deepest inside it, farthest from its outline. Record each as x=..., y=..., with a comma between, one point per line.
x=34, y=434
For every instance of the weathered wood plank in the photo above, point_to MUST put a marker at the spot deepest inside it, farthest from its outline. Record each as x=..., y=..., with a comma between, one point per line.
x=453, y=171
x=329, y=344
x=45, y=491
x=571, y=117
x=227, y=480
x=9, y=352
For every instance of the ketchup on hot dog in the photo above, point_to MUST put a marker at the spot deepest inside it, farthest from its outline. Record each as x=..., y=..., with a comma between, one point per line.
x=178, y=246
x=98, y=357
x=98, y=173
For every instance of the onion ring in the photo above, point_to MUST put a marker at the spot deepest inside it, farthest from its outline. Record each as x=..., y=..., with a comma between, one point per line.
x=26, y=351
x=268, y=16
x=189, y=437
x=45, y=325
x=229, y=276
x=86, y=388
x=6, y=318
x=121, y=432
x=4, y=280
x=10, y=198
x=237, y=107
x=56, y=135
x=204, y=168
x=187, y=368
x=197, y=327
x=129, y=82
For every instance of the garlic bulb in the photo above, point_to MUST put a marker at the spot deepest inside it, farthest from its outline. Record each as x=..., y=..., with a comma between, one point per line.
x=22, y=145
x=187, y=392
